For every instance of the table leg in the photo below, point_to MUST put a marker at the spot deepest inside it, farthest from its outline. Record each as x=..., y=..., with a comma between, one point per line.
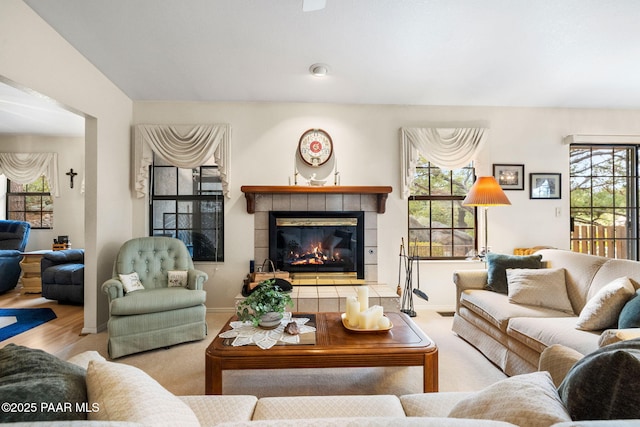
x=213, y=375
x=430, y=372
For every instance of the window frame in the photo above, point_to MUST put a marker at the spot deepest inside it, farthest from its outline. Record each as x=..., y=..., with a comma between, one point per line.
x=42, y=183
x=211, y=196
x=594, y=243
x=450, y=197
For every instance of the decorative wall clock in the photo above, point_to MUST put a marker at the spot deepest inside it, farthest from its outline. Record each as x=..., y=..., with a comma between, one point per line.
x=315, y=147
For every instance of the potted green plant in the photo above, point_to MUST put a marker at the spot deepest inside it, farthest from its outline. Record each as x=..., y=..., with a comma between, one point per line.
x=265, y=298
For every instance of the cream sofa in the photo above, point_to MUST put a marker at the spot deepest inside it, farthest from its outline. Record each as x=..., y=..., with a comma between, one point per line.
x=123, y=395
x=512, y=335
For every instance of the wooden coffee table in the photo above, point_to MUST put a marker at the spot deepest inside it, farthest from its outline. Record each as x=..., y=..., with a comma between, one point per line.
x=335, y=347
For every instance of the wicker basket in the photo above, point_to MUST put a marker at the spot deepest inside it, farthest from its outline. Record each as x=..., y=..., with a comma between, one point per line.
x=262, y=275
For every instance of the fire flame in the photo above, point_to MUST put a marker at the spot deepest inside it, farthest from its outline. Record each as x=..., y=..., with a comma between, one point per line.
x=315, y=256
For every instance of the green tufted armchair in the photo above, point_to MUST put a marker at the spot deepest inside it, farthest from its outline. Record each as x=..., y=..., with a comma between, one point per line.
x=158, y=315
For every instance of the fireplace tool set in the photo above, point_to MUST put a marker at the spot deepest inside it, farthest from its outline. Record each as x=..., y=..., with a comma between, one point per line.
x=409, y=291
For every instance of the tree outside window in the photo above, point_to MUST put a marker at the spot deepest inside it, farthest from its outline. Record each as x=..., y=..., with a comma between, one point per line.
x=440, y=227
x=32, y=203
x=604, y=200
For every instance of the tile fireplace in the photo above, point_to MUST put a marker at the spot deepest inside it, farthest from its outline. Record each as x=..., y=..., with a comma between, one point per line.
x=318, y=295
x=318, y=244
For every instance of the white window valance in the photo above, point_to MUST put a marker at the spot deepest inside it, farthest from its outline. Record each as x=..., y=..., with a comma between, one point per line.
x=25, y=168
x=183, y=146
x=447, y=148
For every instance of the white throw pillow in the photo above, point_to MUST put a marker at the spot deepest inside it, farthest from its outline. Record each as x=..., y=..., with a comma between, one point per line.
x=125, y=393
x=177, y=278
x=528, y=400
x=131, y=282
x=603, y=309
x=543, y=287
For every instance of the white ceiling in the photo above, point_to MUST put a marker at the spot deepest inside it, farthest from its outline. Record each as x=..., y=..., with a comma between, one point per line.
x=542, y=53
x=26, y=112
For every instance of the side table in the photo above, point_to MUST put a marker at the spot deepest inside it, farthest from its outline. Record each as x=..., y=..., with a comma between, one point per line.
x=30, y=265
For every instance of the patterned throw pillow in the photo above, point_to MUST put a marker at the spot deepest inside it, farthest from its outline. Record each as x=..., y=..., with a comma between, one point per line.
x=177, y=278
x=125, y=393
x=603, y=309
x=542, y=287
x=528, y=400
x=131, y=282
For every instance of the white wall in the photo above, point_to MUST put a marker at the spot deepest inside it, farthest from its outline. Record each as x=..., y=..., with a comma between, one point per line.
x=33, y=55
x=366, y=140
x=263, y=145
x=68, y=216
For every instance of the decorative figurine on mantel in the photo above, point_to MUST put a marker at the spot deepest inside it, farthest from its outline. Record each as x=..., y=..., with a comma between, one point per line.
x=315, y=159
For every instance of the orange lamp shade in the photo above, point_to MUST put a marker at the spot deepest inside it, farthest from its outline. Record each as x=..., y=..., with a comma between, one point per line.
x=486, y=192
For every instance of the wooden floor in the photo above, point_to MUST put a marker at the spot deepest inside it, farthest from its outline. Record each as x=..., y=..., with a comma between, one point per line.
x=53, y=335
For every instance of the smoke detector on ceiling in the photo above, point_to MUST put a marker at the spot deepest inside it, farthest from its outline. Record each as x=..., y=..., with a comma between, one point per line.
x=319, y=70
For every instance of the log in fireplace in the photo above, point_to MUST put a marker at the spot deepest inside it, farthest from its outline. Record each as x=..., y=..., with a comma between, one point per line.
x=318, y=243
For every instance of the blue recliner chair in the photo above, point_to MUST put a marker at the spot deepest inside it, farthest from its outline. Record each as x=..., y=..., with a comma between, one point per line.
x=13, y=240
x=62, y=275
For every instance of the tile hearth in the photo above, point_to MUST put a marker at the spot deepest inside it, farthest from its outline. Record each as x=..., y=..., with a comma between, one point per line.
x=333, y=298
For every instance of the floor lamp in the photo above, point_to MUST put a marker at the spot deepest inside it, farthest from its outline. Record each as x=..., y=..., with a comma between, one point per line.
x=486, y=192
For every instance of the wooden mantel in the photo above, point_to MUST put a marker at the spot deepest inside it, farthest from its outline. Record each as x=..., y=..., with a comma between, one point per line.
x=250, y=192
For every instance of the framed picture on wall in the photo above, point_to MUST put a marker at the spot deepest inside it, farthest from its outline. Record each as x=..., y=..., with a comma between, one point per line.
x=544, y=186
x=510, y=177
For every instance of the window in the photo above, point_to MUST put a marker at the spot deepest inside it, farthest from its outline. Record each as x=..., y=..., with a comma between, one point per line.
x=188, y=204
x=439, y=226
x=604, y=200
x=31, y=203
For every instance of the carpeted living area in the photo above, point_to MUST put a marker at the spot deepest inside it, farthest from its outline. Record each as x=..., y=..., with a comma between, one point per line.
x=180, y=369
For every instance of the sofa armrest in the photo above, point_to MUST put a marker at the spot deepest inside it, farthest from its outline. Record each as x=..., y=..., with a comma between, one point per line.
x=67, y=256
x=558, y=359
x=113, y=288
x=196, y=279
x=10, y=253
x=468, y=279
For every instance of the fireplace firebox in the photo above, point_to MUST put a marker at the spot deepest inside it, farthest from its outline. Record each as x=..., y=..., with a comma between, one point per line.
x=318, y=243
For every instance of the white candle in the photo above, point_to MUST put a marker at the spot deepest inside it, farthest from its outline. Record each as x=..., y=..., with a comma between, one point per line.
x=378, y=311
x=369, y=318
x=363, y=297
x=353, y=309
x=384, y=323
x=363, y=319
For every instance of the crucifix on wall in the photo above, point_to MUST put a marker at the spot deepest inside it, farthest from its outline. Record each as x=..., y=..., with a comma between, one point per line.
x=71, y=174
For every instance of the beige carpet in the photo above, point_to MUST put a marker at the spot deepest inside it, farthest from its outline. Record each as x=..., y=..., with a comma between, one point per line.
x=180, y=368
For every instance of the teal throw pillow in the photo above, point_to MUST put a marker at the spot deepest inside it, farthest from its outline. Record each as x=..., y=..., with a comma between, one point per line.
x=51, y=389
x=630, y=314
x=604, y=384
x=497, y=265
